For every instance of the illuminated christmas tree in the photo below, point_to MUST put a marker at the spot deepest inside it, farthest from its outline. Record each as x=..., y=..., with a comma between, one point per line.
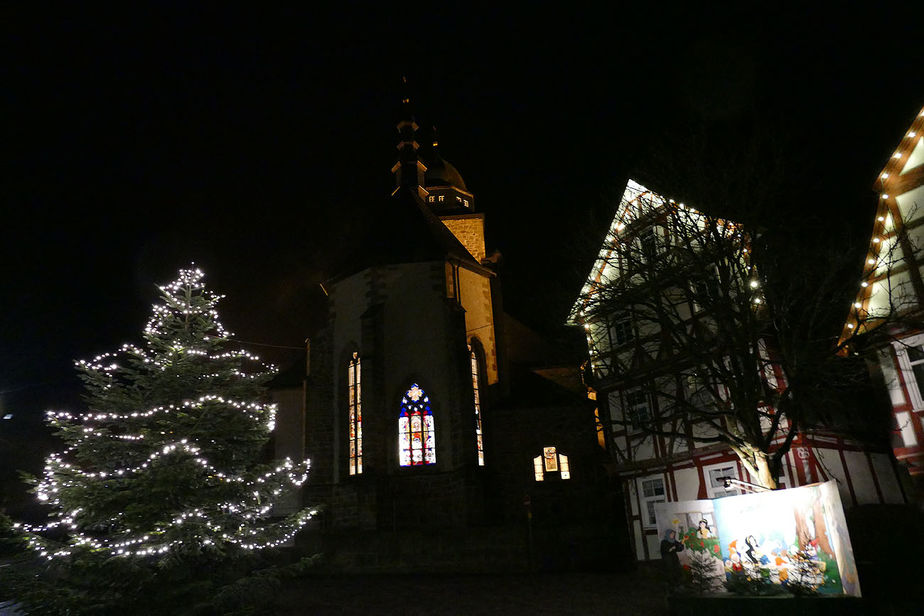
x=167, y=463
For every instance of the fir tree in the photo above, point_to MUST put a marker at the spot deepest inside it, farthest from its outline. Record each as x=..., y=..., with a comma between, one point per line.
x=165, y=469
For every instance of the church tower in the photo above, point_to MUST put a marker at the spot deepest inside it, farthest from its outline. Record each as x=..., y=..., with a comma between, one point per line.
x=396, y=421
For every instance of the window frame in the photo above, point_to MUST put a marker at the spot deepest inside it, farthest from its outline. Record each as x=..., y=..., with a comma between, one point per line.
x=475, y=360
x=713, y=491
x=416, y=405
x=354, y=405
x=647, y=502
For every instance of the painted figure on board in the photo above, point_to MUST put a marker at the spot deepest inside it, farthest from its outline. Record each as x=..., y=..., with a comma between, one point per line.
x=669, y=549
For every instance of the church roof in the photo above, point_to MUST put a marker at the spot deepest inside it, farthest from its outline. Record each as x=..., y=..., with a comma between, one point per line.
x=404, y=230
x=441, y=172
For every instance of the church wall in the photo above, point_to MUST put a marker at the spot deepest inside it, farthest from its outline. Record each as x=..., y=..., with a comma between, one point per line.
x=406, y=331
x=469, y=230
x=475, y=293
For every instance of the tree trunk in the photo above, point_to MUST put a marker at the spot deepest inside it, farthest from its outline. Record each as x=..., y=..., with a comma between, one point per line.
x=764, y=473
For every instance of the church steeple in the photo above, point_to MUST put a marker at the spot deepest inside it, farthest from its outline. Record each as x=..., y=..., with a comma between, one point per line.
x=409, y=170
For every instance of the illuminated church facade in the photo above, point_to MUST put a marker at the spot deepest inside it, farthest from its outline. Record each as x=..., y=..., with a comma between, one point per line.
x=439, y=437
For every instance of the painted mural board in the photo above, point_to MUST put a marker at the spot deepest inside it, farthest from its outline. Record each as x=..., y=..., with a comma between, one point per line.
x=794, y=536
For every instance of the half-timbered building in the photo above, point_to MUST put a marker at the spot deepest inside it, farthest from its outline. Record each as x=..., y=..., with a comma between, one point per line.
x=891, y=295
x=643, y=376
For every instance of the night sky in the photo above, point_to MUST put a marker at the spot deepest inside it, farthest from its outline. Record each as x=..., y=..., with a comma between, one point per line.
x=254, y=143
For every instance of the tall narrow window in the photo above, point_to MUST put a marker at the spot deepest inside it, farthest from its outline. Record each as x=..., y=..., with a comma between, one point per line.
x=416, y=433
x=354, y=383
x=479, y=440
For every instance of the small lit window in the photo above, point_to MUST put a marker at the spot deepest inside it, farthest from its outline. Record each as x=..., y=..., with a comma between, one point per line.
x=551, y=461
x=431, y=198
x=458, y=198
x=465, y=202
x=441, y=198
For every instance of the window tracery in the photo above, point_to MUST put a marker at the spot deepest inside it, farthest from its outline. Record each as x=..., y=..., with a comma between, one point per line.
x=416, y=431
x=479, y=436
x=354, y=385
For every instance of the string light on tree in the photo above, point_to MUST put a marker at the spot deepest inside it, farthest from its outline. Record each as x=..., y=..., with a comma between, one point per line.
x=166, y=461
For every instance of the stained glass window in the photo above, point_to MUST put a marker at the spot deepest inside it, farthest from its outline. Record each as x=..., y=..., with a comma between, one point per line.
x=479, y=440
x=551, y=461
x=416, y=433
x=354, y=384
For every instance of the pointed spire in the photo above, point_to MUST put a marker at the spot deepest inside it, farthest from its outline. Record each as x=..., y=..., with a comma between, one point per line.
x=409, y=169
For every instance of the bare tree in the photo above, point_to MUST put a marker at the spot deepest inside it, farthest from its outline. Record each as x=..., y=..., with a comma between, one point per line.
x=733, y=334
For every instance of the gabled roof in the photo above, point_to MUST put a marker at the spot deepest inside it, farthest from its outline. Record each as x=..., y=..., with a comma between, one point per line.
x=637, y=202
x=885, y=256
x=403, y=230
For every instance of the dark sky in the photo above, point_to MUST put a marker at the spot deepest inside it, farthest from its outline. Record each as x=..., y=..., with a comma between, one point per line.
x=253, y=143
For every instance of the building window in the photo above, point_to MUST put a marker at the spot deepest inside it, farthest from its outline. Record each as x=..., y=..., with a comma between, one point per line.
x=651, y=491
x=551, y=462
x=916, y=363
x=431, y=198
x=638, y=408
x=715, y=485
x=354, y=384
x=441, y=198
x=648, y=245
x=465, y=202
x=621, y=331
x=416, y=433
x=479, y=436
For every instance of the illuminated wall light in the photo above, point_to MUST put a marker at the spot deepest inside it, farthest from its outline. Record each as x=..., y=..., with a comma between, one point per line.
x=885, y=176
x=912, y=134
x=850, y=326
x=876, y=240
x=897, y=155
x=754, y=284
x=885, y=196
x=864, y=284
x=858, y=305
x=871, y=261
x=881, y=219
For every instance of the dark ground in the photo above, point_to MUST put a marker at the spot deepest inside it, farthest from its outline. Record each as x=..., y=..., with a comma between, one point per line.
x=639, y=592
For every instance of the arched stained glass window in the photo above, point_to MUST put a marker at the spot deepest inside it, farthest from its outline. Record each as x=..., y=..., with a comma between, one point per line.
x=479, y=437
x=416, y=433
x=354, y=384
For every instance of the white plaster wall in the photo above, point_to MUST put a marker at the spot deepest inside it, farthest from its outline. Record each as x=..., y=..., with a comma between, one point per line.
x=643, y=449
x=654, y=546
x=687, y=480
x=862, y=477
x=890, y=376
x=911, y=204
x=639, y=541
x=831, y=461
x=888, y=482
x=917, y=157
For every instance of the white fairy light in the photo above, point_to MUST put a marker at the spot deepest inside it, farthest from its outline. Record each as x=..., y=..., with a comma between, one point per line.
x=243, y=522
